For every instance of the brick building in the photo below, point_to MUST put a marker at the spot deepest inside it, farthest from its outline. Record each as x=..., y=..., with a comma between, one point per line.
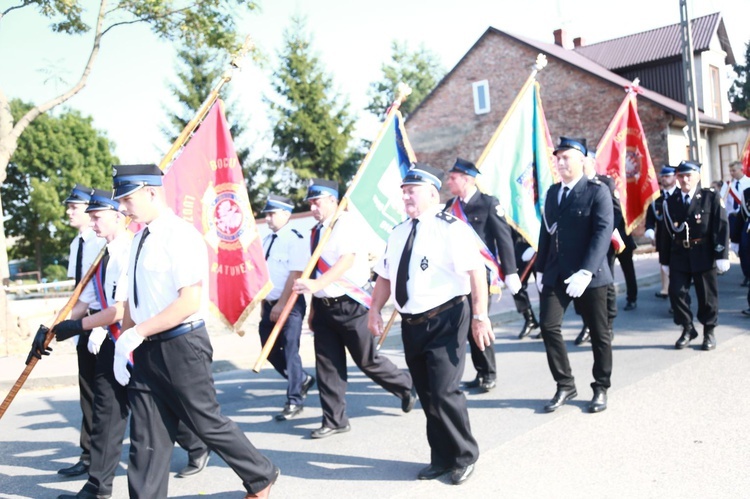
x=582, y=88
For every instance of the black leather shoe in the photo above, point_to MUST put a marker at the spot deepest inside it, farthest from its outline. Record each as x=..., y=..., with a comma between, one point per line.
x=194, y=466
x=461, y=474
x=85, y=494
x=746, y=312
x=661, y=295
x=745, y=282
x=488, y=384
x=562, y=395
x=77, y=469
x=325, y=431
x=599, y=402
x=688, y=334
x=475, y=383
x=709, y=341
x=289, y=411
x=630, y=305
x=407, y=403
x=432, y=472
x=306, y=385
x=529, y=325
x=583, y=336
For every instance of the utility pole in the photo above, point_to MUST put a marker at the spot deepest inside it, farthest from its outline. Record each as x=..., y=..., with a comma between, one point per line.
x=691, y=104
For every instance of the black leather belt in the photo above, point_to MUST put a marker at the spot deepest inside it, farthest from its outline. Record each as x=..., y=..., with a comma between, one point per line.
x=689, y=243
x=330, y=301
x=176, y=331
x=416, y=319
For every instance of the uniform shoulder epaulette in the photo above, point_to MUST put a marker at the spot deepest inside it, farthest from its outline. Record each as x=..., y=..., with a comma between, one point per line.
x=296, y=232
x=446, y=217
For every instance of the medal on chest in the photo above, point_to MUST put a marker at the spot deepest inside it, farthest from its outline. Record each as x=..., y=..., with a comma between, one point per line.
x=697, y=218
x=424, y=263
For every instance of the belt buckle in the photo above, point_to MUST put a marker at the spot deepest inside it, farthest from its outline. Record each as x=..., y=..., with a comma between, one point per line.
x=686, y=244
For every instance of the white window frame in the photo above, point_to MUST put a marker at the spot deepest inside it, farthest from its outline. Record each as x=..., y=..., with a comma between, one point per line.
x=484, y=87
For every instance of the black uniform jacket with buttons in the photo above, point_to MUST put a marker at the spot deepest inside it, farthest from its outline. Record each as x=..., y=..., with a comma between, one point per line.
x=707, y=229
x=655, y=221
x=486, y=217
x=579, y=235
x=743, y=224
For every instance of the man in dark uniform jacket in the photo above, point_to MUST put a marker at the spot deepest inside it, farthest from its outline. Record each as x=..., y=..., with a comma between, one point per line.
x=589, y=170
x=699, y=233
x=484, y=213
x=572, y=264
x=655, y=229
x=746, y=228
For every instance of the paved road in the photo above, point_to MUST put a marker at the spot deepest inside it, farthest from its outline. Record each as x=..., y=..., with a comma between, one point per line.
x=676, y=425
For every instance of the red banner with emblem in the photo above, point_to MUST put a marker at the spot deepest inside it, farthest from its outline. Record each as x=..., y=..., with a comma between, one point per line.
x=746, y=156
x=623, y=154
x=205, y=186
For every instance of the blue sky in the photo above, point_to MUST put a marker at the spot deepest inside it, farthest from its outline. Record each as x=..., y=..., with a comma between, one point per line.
x=128, y=86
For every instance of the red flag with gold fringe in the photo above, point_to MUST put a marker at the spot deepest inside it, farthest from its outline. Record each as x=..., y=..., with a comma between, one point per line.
x=623, y=154
x=746, y=156
x=205, y=186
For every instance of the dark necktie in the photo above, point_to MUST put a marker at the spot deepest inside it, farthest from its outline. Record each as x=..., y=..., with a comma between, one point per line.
x=564, y=195
x=268, y=251
x=135, y=265
x=314, y=240
x=402, y=275
x=79, y=260
x=103, y=274
x=687, y=199
x=736, y=189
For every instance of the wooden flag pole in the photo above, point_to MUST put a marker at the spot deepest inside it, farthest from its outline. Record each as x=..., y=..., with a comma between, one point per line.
x=402, y=92
x=176, y=146
x=387, y=328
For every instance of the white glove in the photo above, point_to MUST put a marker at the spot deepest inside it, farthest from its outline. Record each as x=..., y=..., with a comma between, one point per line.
x=577, y=283
x=513, y=282
x=75, y=339
x=539, y=284
x=96, y=338
x=722, y=265
x=527, y=254
x=665, y=269
x=735, y=247
x=650, y=234
x=124, y=346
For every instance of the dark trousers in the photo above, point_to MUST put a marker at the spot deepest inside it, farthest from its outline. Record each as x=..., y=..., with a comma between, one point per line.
x=611, y=296
x=86, y=375
x=172, y=381
x=628, y=271
x=111, y=411
x=339, y=327
x=521, y=299
x=435, y=352
x=484, y=361
x=284, y=356
x=706, y=290
x=593, y=306
x=745, y=251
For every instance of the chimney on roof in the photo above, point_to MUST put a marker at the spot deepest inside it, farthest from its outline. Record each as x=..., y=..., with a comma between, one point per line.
x=561, y=38
x=578, y=42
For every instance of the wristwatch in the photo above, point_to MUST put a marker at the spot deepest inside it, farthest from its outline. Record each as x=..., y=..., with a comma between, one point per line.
x=480, y=317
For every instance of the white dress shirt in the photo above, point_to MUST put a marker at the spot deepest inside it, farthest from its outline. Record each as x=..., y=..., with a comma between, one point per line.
x=289, y=253
x=346, y=238
x=92, y=245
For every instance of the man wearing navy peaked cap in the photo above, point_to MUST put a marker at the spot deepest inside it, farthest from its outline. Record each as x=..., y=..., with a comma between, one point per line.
x=432, y=267
x=339, y=313
x=485, y=215
x=165, y=332
x=655, y=229
x=83, y=251
x=572, y=265
x=697, y=224
x=286, y=253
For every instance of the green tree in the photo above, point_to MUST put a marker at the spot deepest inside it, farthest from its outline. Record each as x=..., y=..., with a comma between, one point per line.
x=197, y=74
x=739, y=93
x=312, y=128
x=420, y=69
x=53, y=154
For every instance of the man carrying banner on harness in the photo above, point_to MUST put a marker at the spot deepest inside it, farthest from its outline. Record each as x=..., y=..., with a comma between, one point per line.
x=339, y=314
x=485, y=215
